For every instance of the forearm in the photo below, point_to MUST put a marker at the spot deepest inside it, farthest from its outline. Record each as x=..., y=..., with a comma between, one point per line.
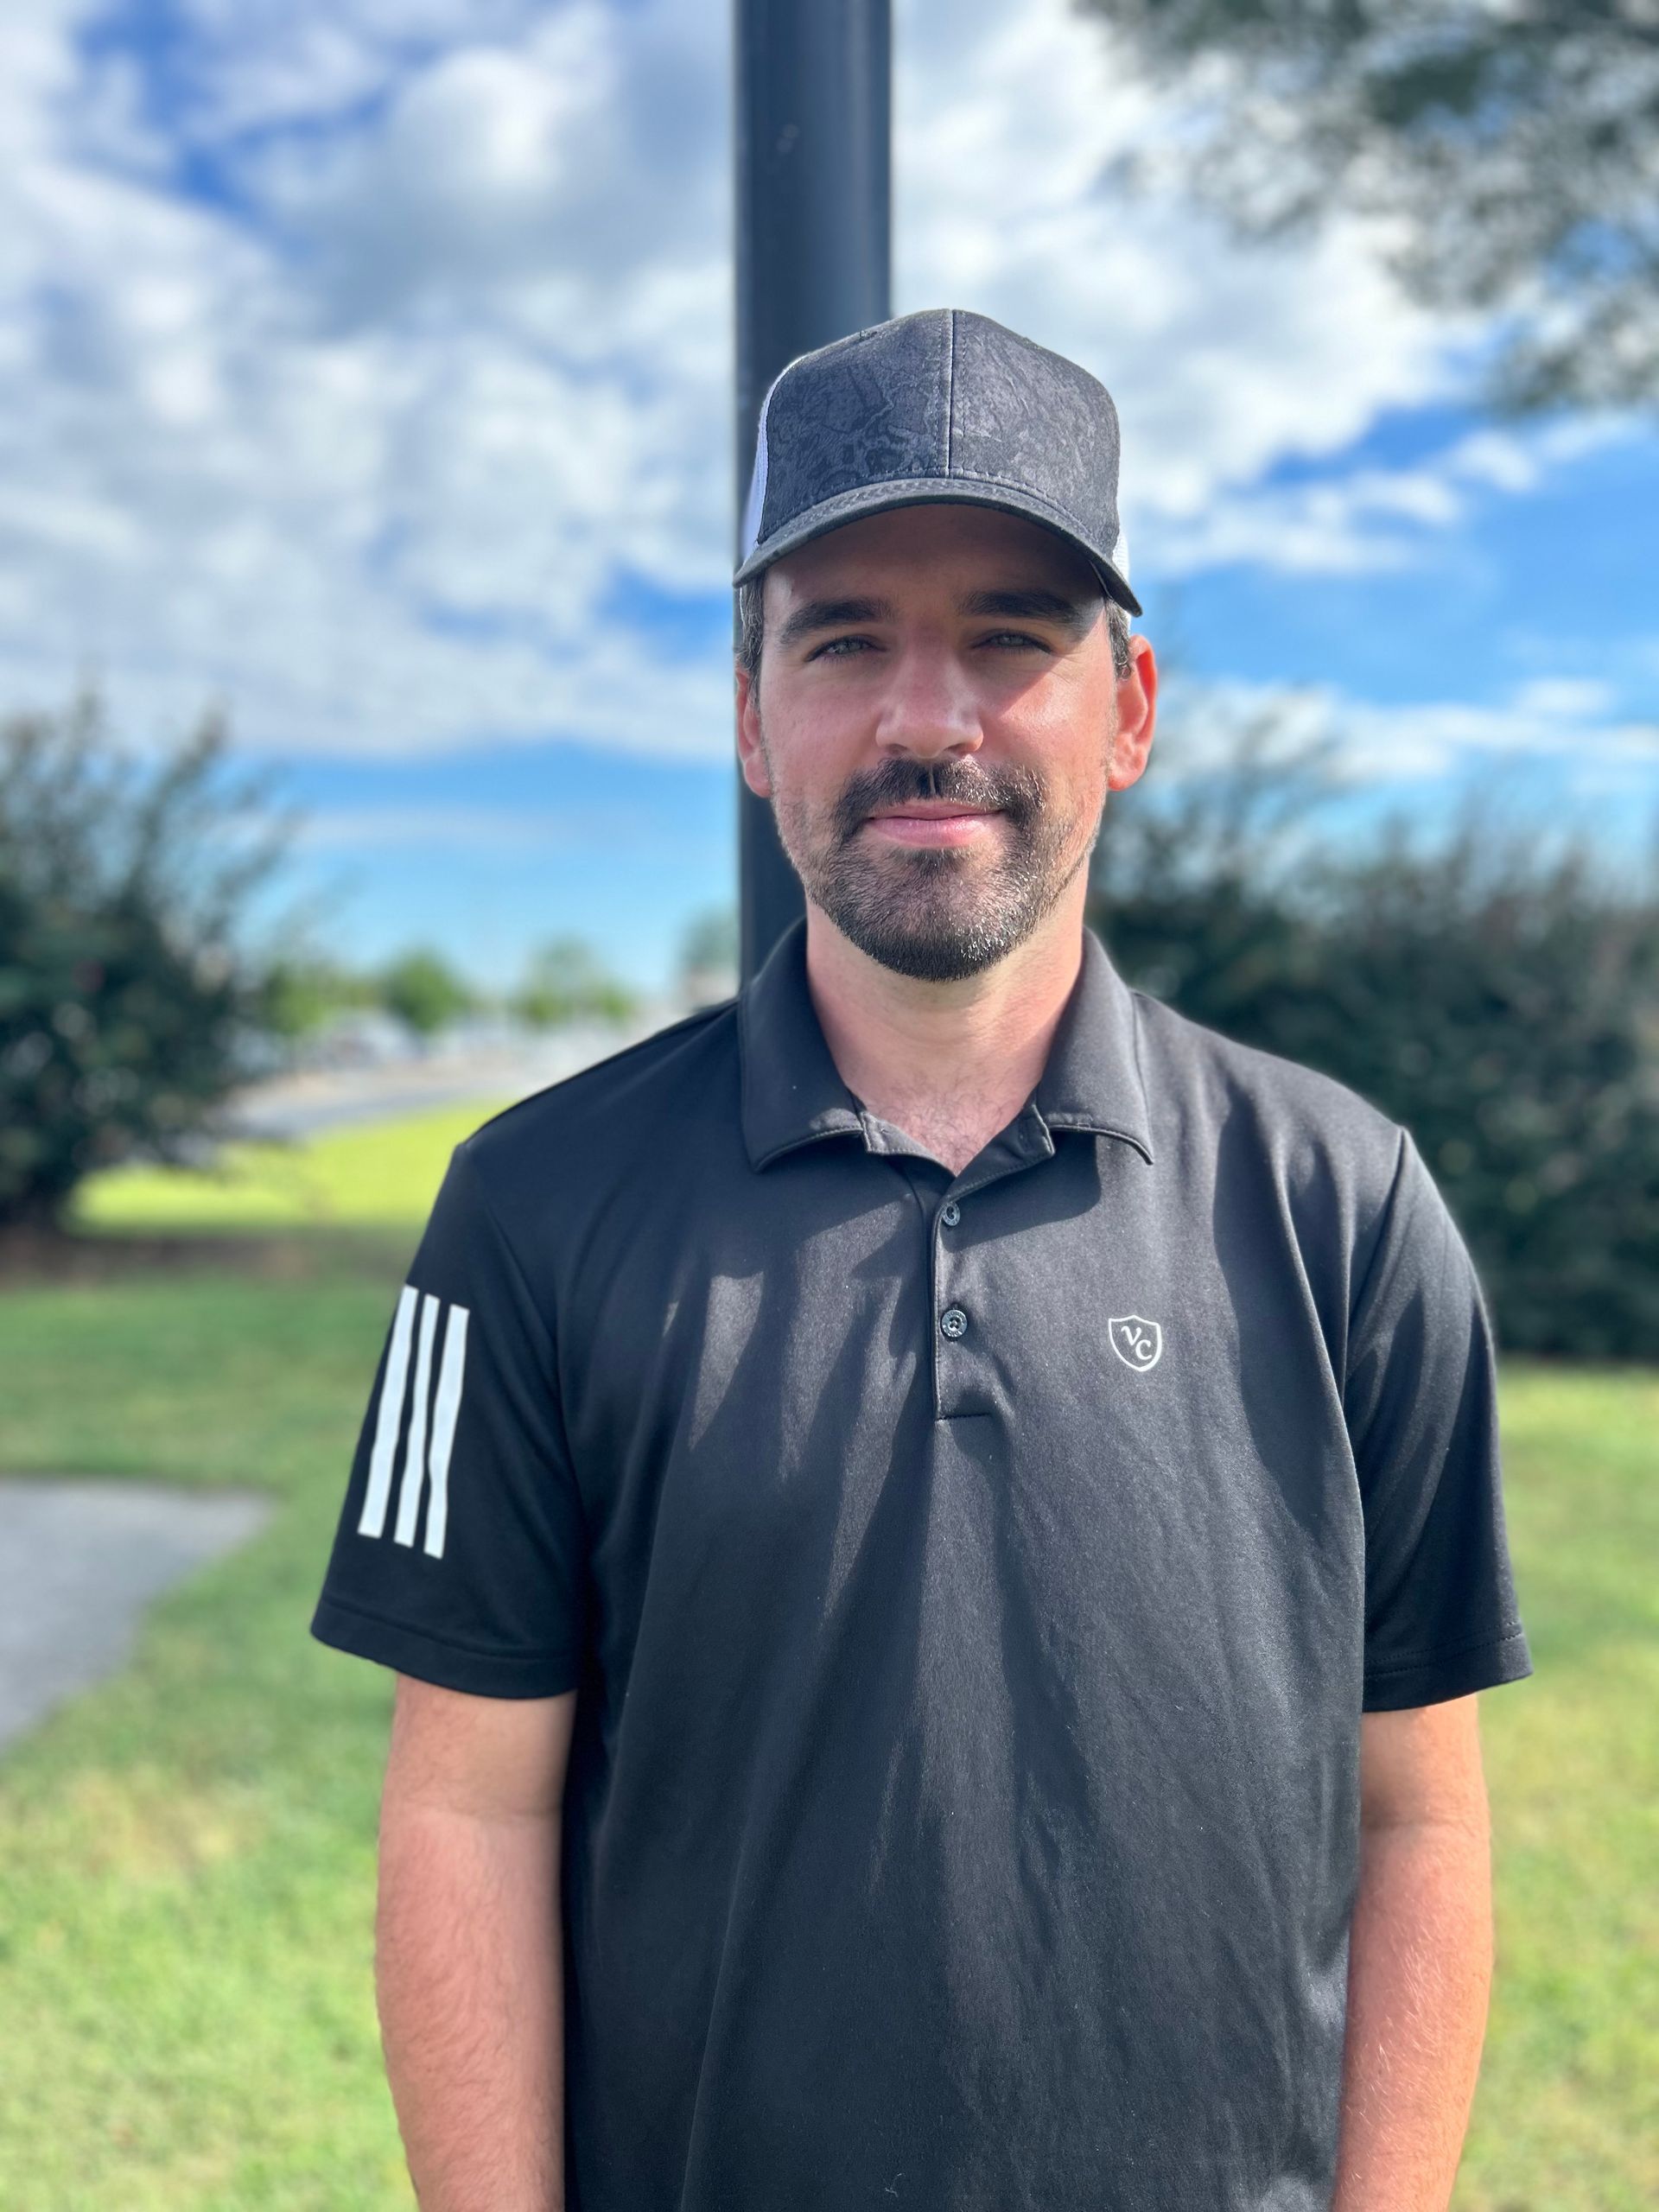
x=1419, y=1979
x=468, y=1973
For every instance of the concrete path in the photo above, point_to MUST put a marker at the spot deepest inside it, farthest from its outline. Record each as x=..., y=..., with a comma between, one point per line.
x=300, y=1105
x=79, y=1560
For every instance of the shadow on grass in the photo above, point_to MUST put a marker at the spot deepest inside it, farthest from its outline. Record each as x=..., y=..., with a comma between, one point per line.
x=36, y=1259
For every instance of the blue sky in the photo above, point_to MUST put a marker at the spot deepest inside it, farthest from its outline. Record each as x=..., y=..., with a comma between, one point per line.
x=365, y=367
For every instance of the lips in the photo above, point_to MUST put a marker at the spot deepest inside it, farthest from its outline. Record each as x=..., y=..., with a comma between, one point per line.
x=936, y=824
x=899, y=803
x=935, y=811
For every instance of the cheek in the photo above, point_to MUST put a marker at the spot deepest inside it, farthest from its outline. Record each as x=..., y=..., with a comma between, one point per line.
x=1063, y=721
x=1068, y=749
x=809, y=756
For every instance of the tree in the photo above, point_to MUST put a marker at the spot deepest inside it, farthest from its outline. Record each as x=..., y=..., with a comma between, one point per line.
x=1502, y=1004
x=421, y=988
x=303, y=991
x=1512, y=152
x=128, y=986
x=566, y=981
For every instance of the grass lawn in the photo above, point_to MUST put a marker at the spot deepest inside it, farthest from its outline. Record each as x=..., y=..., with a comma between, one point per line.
x=186, y=1854
x=378, y=1175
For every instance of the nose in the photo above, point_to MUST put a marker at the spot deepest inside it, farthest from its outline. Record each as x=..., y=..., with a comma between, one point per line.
x=928, y=707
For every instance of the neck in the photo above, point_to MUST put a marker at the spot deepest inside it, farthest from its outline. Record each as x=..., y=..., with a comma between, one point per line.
x=950, y=1064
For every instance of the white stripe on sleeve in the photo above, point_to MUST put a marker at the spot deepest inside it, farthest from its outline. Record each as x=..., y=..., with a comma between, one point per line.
x=372, y=1520
x=414, y=1475
x=443, y=1427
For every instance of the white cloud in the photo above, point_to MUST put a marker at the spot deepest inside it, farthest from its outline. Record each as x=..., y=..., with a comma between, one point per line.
x=1368, y=519
x=1222, y=359
x=1546, y=719
x=369, y=467
x=1574, y=699
x=374, y=434
x=443, y=829
x=257, y=66
x=467, y=180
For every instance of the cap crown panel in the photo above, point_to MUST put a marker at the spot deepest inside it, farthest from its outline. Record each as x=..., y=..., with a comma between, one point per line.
x=869, y=409
x=1026, y=416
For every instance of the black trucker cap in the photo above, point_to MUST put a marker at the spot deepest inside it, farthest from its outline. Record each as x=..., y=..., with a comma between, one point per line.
x=941, y=405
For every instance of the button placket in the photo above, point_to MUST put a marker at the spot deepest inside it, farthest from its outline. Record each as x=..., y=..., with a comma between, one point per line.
x=953, y=1322
x=949, y=1318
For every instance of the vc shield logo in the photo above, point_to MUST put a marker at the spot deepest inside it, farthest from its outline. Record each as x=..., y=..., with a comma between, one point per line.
x=1137, y=1342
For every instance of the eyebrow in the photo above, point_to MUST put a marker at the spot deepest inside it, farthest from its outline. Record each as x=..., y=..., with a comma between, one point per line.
x=1033, y=605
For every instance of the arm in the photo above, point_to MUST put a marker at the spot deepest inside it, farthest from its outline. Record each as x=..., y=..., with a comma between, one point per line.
x=1419, y=1959
x=468, y=1952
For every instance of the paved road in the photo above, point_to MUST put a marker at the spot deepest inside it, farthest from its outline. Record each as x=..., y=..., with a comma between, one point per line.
x=79, y=1560
x=300, y=1105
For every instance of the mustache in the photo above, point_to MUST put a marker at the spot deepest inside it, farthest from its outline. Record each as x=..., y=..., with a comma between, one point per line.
x=1017, y=792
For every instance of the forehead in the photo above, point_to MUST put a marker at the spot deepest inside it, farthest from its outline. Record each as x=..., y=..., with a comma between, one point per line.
x=932, y=547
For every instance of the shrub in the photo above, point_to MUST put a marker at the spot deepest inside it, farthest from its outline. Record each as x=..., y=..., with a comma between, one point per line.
x=127, y=996
x=1502, y=1005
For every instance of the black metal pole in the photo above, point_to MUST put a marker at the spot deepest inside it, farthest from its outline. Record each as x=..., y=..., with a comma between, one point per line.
x=812, y=129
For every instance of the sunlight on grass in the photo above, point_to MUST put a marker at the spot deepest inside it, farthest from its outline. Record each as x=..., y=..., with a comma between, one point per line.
x=187, y=1855
x=1567, y=2116
x=380, y=1174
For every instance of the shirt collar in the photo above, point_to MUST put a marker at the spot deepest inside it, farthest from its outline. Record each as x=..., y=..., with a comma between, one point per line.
x=792, y=1093
x=1093, y=1078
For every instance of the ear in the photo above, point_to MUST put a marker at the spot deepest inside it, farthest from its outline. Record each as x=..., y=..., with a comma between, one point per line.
x=751, y=758
x=1137, y=706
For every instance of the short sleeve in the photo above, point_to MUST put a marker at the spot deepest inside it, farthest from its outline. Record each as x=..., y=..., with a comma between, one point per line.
x=460, y=1556
x=1420, y=1398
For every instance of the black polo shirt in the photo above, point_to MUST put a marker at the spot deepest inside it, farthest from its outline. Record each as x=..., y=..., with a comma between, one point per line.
x=973, y=1584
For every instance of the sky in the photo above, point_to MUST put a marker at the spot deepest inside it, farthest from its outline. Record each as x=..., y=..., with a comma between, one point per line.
x=364, y=369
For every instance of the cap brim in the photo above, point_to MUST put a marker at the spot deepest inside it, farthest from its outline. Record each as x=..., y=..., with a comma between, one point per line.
x=932, y=491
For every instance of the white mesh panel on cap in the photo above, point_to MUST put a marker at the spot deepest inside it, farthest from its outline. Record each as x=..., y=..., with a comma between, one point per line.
x=754, y=506
x=757, y=498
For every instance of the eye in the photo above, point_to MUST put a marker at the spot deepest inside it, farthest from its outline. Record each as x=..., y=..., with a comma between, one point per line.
x=1004, y=640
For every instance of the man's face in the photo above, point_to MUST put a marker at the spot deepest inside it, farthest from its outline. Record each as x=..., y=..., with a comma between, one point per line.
x=937, y=721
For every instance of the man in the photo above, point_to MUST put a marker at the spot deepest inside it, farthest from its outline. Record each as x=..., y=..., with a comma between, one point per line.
x=938, y=1524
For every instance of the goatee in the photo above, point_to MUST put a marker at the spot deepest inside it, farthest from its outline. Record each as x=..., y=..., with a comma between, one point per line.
x=936, y=913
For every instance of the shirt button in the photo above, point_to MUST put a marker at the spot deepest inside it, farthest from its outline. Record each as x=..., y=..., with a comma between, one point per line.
x=954, y=1321
x=951, y=1214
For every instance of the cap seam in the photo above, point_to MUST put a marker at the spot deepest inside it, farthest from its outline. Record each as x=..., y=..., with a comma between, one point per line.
x=949, y=387
x=851, y=496
x=853, y=491
x=983, y=476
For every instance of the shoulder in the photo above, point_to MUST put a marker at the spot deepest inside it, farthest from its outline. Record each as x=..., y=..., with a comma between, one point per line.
x=1205, y=1068
x=602, y=1120
x=1317, y=1136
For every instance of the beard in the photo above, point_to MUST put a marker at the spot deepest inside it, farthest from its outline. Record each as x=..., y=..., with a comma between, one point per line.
x=938, y=913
